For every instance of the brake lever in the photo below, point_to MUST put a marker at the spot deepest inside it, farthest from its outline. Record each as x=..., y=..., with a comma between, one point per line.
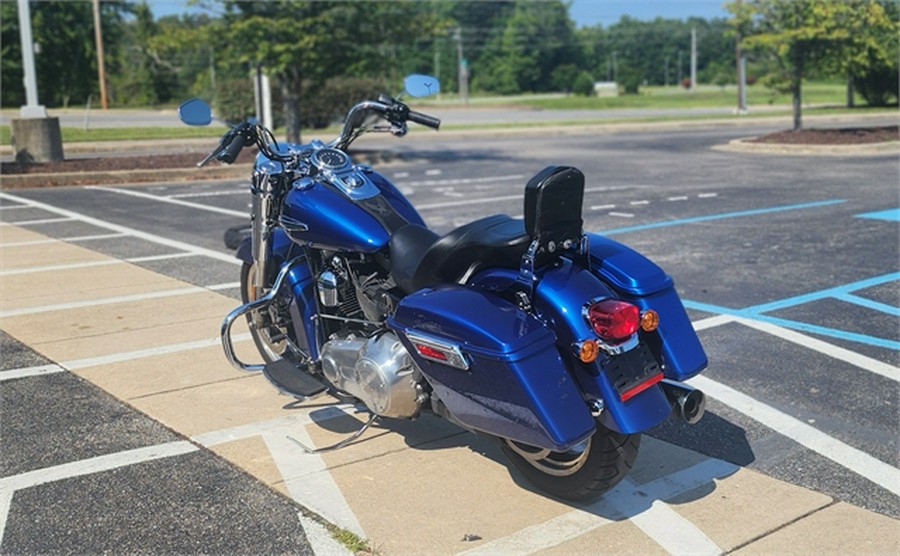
x=212, y=155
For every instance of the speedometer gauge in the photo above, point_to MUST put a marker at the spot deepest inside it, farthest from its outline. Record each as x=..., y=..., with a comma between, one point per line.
x=331, y=159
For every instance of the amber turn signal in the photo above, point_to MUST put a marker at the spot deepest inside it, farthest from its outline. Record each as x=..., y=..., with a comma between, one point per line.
x=587, y=350
x=649, y=320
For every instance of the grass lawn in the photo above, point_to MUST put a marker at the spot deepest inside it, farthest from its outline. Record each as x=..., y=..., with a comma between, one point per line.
x=830, y=98
x=704, y=97
x=76, y=134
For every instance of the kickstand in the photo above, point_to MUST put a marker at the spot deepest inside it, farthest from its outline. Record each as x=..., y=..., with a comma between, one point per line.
x=337, y=446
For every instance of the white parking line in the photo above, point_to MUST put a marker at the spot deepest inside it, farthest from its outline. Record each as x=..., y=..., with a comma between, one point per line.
x=515, y=197
x=125, y=230
x=707, y=195
x=242, y=191
x=95, y=465
x=98, y=302
x=434, y=172
x=622, y=500
x=88, y=264
x=12, y=207
x=25, y=372
x=463, y=181
x=678, y=198
x=833, y=351
x=603, y=207
x=5, y=504
x=305, y=475
x=622, y=214
x=36, y=222
x=149, y=352
x=638, y=203
x=857, y=461
x=172, y=201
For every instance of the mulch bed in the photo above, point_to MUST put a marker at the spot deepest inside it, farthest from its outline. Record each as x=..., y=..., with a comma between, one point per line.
x=118, y=163
x=843, y=136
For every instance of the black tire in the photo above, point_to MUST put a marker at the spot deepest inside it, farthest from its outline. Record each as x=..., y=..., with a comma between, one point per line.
x=261, y=332
x=581, y=474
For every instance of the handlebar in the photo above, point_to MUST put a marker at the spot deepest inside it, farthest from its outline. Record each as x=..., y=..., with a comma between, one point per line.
x=231, y=151
x=392, y=110
x=424, y=119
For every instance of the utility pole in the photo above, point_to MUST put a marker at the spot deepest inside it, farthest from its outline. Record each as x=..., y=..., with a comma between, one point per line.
x=741, y=72
x=615, y=68
x=462, y=67
x=36, y=137
x=101, y=66
x=679, y=68
x=666, y=82
x=693, y=59
x=31, y=109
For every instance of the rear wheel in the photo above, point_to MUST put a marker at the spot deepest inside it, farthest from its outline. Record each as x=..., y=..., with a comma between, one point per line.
x=269, y=337
x=583, y=473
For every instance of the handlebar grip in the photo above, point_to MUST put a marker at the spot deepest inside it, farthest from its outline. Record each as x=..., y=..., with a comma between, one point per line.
x=232, y=150
x=424, y=119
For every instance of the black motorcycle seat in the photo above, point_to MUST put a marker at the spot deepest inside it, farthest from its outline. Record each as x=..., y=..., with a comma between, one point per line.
x=420, y=259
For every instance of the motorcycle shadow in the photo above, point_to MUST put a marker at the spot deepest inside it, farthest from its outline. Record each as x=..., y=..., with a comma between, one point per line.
x=672, y=466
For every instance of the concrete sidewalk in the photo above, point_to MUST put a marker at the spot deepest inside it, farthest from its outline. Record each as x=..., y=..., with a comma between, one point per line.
x=422, y=487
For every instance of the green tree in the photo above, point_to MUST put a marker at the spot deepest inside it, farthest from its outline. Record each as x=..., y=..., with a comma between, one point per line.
x=537, y=38
x=310, y=41
x=65, y=57
x=805, y=35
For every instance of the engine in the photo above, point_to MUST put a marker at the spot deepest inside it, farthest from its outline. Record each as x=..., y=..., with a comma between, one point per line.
x=377, y=370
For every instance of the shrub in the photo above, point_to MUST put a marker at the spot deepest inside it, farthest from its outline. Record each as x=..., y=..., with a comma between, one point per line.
x=583, y=85
x=234, y=99
x=878, y=86
x=629, y=79
x=322, y=105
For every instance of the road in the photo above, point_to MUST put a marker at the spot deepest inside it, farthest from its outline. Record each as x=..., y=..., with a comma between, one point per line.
x=474, y=114
x=788, y=265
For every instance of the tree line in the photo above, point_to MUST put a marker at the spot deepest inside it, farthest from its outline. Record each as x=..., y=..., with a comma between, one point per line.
x=322, y=50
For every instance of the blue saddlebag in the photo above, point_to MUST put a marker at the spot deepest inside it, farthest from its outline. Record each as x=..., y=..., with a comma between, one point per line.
x=503, y=374
x=641, y=282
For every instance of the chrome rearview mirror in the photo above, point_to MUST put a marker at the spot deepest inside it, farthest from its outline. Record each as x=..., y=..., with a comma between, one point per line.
x=195, y=112
x=421, y=85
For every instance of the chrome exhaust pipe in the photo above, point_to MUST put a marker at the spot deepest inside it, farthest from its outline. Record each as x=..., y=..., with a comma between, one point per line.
x=687, y=402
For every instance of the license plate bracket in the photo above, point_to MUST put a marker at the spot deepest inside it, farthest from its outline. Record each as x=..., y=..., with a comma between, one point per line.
x=633, y=372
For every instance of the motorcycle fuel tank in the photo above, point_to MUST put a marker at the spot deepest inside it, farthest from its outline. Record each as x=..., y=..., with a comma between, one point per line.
x=319, y=214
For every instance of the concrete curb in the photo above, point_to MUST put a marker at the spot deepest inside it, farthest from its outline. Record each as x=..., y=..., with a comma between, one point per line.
x=222, y=172
x=867, y=149
x=63, y=179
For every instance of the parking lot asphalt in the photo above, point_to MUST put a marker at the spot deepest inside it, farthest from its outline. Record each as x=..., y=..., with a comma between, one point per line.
x=119, y=407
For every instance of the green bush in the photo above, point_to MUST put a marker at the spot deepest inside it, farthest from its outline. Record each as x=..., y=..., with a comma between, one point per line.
x=321, y=106
x=234, y=99
x=583, y=85
x=878, y=86
x=629, y=79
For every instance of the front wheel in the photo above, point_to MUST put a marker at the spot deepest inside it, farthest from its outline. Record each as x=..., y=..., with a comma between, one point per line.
x=268, y=335
x=583, y=473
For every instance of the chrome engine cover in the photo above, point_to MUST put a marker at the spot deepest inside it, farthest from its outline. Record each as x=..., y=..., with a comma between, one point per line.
x=378, y=371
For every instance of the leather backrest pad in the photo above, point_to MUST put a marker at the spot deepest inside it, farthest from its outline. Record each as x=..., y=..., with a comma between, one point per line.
x=553, y=202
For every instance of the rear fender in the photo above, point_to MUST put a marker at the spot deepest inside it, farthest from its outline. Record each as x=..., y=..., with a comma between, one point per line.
x=560, y=295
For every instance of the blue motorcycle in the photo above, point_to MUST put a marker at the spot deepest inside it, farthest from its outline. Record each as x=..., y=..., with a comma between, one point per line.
x=561, y=344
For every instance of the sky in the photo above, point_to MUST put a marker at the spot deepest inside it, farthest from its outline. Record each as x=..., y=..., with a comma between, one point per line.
x=583, y=12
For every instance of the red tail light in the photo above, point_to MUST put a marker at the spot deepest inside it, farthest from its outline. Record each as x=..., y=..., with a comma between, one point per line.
x=614, y=320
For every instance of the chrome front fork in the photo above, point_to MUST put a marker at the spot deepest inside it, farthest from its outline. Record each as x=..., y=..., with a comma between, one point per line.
x=263, y=219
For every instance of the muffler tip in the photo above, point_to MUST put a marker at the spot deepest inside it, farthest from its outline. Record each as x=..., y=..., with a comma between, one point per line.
x=688, y=403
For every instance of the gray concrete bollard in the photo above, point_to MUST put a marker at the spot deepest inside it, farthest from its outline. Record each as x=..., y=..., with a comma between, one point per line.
x=37, y=139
